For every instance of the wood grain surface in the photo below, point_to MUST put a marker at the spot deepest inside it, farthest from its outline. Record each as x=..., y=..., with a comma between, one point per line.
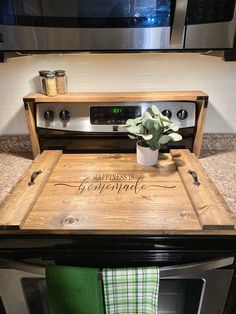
x=201, y=118
x=211, y=209
x=19, y=202
x=117, y=96
x=30, y=114
x=112, y=194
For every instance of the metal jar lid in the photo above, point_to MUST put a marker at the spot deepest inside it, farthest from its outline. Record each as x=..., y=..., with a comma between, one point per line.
x=50, y=74
x=44, y=72
x=60, y=73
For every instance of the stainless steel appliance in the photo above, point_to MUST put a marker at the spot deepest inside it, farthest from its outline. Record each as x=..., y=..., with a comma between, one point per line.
x=193, y=279
x=97, y=127
x=197, y=272
x=116, y=25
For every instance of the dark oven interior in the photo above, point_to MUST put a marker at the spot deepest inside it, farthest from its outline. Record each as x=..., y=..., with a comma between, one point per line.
x=74, y=142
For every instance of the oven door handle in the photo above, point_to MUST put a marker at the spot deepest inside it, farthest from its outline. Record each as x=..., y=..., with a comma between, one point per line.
x=22, y=266
x=178, y=23
x=165, y=272
x=186, y=269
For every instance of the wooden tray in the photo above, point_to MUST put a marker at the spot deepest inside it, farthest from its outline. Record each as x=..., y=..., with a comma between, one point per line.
x=111, y=193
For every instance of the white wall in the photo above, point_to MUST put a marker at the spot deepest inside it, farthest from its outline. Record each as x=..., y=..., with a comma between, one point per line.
x=123, y=72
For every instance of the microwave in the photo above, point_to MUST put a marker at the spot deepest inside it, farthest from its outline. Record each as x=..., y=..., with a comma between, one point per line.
x=116, y=25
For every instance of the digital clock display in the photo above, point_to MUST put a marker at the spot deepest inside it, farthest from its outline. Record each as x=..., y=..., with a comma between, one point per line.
x=117, y=110
x=113, y=115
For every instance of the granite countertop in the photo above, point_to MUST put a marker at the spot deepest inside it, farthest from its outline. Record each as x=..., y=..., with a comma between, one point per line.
x=220, y=165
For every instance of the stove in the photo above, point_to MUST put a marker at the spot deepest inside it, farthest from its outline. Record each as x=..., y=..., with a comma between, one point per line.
x=197, y=271
x=97, y=127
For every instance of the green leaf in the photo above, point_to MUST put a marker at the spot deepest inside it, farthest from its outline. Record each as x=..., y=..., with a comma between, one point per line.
x=149, y=110
x=148, y=120
x=138, y=120
x=164, y=118
x=132, y=137
x=141, y=129
x=174, y=127
x=154, y=146
x=164, y=139
x=155, y=110
x=160, y=121
x=158, y=127
x=147, y=115
x=166, y=123
x=149, y=124
x=175, y=137
x=145, y=136
x=130, y=122
x=151, y=145
x=133, y=129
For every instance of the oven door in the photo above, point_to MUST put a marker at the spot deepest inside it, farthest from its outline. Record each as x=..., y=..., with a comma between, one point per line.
x=80, y=142
x=91, y=25
x=211, y=24
x=200, y=288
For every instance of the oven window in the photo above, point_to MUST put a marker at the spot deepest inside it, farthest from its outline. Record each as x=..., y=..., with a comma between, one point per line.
x=180, y=296
x=87, y=13
x=36, y=295
x=210, y=11
x=176, y=296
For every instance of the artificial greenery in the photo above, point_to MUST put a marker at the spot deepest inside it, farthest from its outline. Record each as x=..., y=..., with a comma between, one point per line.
x=152, y=129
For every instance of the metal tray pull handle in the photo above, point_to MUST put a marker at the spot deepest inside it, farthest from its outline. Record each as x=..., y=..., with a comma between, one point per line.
x=195, y=177
x=33, y=177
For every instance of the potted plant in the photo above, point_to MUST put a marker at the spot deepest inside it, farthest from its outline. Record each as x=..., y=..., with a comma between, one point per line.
x=150, y=131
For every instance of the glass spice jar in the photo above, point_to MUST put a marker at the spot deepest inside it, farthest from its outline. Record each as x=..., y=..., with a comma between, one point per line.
x=50, y=81
x=42, y=80
x=61, y=81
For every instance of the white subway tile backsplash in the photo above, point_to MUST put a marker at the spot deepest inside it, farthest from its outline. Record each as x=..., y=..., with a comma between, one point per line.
x=122, y=72
x=13, y=123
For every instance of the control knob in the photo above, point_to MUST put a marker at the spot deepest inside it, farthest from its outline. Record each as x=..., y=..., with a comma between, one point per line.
x=65, y=115
x=182, y=114
x=167, y=113
x=49, y=115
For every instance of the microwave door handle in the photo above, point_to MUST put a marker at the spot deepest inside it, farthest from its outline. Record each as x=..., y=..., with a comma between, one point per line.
x=178, y=23
x=183, y=270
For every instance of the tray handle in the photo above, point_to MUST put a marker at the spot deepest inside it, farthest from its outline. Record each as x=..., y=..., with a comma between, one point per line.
x=33, y=177
x=195, y=177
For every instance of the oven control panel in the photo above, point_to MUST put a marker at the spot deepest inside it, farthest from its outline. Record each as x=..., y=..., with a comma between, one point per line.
x=114, y=115
x=109, y=117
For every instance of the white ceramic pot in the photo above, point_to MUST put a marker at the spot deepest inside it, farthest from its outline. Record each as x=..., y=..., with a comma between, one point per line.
x=146, y=156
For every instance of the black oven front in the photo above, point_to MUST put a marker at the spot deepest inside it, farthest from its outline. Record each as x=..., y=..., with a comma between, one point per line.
x=78, y=142
x=197, y=273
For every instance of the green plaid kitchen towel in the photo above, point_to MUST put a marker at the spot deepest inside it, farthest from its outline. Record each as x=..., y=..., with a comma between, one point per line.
x=131, y=290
